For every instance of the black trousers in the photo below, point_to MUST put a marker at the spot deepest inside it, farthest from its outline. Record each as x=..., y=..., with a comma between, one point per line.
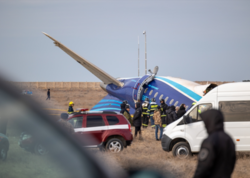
x=145, y=120
x=137, y=129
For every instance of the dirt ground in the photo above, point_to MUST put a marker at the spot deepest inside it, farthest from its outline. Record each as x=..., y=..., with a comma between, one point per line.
x=147, y=153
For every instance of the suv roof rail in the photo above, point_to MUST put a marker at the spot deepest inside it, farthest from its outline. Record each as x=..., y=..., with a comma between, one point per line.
x=109, y=112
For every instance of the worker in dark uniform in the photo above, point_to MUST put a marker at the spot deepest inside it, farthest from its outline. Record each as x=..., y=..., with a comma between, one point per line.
x=71, y=109
x=217, y=154
x=164, y=107
x=137, y=120
x=145, y=105
x=48, y=94
x=123, y=106
x=151, y=108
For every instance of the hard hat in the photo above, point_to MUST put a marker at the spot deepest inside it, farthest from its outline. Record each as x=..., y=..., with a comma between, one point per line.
x=163, y=100
x=153, y=99
x=146, y=99
x=71, y=102
x=125, y=101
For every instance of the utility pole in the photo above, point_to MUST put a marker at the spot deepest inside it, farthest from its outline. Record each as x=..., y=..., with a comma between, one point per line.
x=144, y=33
x=138, y=58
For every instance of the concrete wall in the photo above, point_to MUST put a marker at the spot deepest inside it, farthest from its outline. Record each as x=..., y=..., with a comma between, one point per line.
x=59, y=85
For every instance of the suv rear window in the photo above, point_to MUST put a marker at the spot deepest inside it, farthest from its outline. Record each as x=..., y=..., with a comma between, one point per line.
x=112, y=120
x=95, y=121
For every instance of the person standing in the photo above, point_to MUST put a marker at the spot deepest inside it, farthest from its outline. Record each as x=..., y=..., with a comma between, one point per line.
x=137, y=120
x=217, y=154
x=126, y=114
x=48, y=94
x=123, y=105
x=164, y=107
x=171, y=115
x=158, y=122
x=145, y=113
x=151, y=108
x=71, y=109
x=181, y=111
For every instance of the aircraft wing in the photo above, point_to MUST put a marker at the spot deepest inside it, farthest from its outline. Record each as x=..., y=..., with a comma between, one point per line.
x=110, y=103
x=99, y=73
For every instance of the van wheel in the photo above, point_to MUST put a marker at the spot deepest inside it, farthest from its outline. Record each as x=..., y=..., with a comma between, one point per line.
x=181, y=150
x=114, y=145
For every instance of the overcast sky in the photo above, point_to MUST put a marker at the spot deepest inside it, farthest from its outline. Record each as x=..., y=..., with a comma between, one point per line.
x=195, y=40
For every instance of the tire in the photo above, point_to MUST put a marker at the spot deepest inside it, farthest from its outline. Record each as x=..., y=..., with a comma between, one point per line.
x=181, y=150
x=40, y=150
x=114, y=145
x=3, y=153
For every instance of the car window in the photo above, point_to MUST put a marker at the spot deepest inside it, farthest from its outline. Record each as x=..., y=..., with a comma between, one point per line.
x=112, y=120
x=95, y=121
x=76, y=122
x=37, y=145
x=194, y=115
x=235, y=111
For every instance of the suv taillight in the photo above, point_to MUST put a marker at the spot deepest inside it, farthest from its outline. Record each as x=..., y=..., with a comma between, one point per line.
x=129, y=127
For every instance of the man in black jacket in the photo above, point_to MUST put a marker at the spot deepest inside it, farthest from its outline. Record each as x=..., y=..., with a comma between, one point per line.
x=217, y=154
x=181, y=111
x=48, y=94
x=137, y=120
x=171, y=115
x=123, y=105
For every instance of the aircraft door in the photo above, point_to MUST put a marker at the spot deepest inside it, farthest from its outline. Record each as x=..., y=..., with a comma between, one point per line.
x=195, y=130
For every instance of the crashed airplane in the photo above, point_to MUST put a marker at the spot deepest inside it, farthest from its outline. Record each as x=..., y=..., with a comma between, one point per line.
x=174, y=91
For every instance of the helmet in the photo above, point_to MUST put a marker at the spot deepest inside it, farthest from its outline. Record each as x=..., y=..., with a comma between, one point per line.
x=125, y=101
x=153, y=99
x=127, y=106
x=146, y=99
x=162, y=100
x=70, y=103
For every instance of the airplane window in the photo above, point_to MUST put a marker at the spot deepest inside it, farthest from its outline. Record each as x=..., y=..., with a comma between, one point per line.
x=176, y=103
x=166, y=99
x=146, y=90
x=150, y=93
x=156, y=94
x=161, y=97
x=171, y=101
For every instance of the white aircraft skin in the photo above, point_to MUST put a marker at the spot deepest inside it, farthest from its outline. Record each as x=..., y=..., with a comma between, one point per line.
x=174, y=91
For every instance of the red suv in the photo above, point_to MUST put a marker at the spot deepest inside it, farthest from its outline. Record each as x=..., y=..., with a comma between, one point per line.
x=108, y=130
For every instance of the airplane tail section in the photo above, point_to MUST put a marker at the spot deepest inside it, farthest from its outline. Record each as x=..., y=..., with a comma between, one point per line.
x=99, y=73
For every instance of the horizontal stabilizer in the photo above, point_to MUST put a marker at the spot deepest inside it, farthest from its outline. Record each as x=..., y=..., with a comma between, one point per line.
x=103, y=76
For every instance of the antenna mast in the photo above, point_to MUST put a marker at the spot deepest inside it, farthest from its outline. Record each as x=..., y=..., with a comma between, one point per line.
x=138, y=57
x=144, y=32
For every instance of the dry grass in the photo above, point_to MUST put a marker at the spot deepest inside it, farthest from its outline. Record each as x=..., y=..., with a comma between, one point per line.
x=146, y=154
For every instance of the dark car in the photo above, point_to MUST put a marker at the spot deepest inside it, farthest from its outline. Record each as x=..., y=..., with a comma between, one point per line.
x=103, y=129
x=4, y=146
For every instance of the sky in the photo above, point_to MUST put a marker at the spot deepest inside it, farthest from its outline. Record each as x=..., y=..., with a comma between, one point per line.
x=197, y=40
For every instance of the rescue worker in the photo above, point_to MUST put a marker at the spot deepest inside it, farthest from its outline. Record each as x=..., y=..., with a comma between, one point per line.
x=164, y=107
x=145, y=113
x=48, y=94
x=123, y=105
x=137, y=120
x=217, y=154
x=71, y=105
x=181, y=111
x=151, y=108
x=171, y=115
x=158, y=122
x=126, y=114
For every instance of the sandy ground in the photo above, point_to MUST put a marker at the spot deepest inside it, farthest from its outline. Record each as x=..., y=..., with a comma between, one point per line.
x=145, y=154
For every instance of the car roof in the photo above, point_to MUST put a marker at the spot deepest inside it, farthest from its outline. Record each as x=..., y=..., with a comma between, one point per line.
x=97, y=112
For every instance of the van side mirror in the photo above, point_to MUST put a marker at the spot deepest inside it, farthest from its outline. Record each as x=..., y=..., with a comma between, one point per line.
x=186, y=119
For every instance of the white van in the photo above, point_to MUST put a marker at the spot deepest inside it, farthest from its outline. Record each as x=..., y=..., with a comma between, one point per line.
x=184, y=136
